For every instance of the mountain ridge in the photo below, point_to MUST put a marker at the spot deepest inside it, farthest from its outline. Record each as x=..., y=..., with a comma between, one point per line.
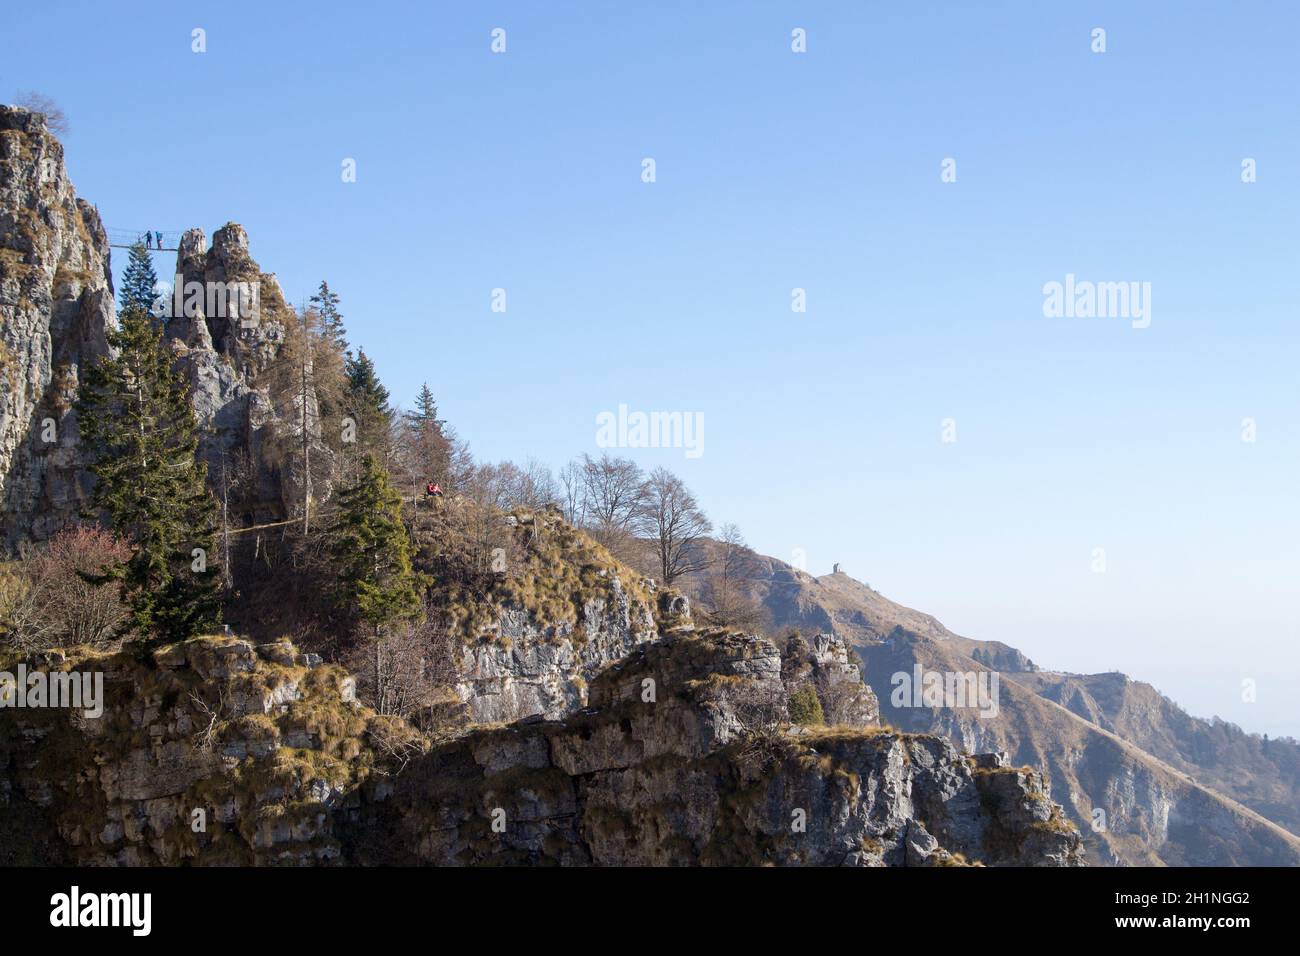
x=1146, y=798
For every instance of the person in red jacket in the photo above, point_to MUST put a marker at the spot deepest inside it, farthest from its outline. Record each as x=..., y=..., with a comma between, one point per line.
x=432, y=490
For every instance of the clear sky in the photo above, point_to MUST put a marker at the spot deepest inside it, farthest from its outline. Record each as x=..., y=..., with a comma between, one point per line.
x=774, y=171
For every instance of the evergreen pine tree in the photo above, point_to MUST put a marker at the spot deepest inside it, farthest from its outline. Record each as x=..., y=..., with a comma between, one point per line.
x=368, y=403
x=372, y=551
x=326, y=302
x=805, y=707
x=138, y=281
x=429, y=448
x=135, y=418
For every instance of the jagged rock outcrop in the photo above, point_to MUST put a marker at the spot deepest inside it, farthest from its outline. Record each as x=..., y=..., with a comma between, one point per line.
x=825, y=663
x=526, y=670
x=661, y=770
x=219, y=751
x=56, y=302
x=531, y=636
x=215, y=751
x=225, y=354
x=247, y=342
x=522, y=667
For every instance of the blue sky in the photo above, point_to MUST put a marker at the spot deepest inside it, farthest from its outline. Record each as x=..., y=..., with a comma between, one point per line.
x=778, y=170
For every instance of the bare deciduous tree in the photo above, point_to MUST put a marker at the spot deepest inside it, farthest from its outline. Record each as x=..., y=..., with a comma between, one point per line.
x=307, y=374
x=210, y=720
x=725, y=592
x=675, y=524
x=758, y=709
x=399, y=672
x=460, y=471
x=234, y=478
x=614, y=495
x=59, y=600
x=55, y=119
x=572, y=497
x=506, y=486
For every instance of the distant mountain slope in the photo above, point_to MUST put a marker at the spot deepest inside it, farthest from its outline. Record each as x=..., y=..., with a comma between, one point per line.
x=1263, y=774
x=1154, y=814
x=1107, y=743
x=795, y=598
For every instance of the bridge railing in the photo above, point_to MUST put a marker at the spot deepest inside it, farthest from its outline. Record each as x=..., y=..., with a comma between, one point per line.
x=126, y=238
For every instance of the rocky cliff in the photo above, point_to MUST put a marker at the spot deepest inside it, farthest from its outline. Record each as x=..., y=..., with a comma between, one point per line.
x=596, y=725
x=219, y=751
x=214, y=751
x=56, y=301
x=659, y=769
x=826, y=664
x=225, y=354
x=565, y=609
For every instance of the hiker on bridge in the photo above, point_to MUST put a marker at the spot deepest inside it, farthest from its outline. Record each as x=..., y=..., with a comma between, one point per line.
x=159, y=237
x=148, y=240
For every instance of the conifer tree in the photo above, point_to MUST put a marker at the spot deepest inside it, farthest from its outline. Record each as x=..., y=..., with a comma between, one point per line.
x=372, y=551
x=326, y=302
x=427, y=444
x=367, y=402
x=138, y=281
x=135, y=417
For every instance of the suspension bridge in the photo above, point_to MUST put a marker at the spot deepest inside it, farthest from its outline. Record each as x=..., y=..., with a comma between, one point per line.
x=126, y=238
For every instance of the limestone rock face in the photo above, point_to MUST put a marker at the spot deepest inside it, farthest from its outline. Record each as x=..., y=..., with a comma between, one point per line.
x=247, y=342
x=661, y=770
x=56, y=302
x=224, y=354
x=835, y=675
x=217, y=751
x=524, y=670
x=221, y=751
